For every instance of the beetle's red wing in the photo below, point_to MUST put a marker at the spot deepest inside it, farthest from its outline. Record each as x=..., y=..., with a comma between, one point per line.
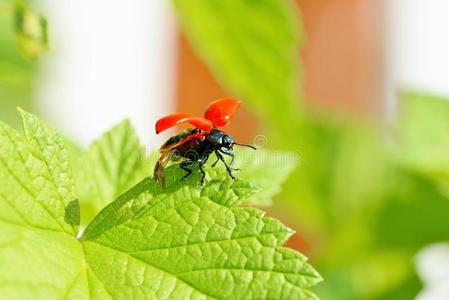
x=221, y=111
x=176, y=119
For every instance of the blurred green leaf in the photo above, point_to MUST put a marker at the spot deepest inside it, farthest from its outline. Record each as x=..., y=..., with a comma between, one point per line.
x=266, y=170
x=16, y=72
x=415, y=214
x=352, y=193
x=252, y=47
x=32, y=31
x=423, y=134
x=408, y=289
x=371, y=273
x=344, y=164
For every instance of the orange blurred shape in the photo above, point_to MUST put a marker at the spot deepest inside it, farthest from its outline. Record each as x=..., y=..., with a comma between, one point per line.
x=343, y=57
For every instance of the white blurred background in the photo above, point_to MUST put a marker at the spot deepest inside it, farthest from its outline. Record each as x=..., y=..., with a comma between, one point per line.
x=110, y=60
x=418, y=44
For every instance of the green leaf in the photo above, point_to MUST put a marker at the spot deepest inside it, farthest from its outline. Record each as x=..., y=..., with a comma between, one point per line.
x=423, y=138
x=266, y=170
x=40, y=257
x=252, y=47
x=414, y=215
x=16, y=72
x=113, y=164
x=31, y=29
x=183, y=241
x=35, y=174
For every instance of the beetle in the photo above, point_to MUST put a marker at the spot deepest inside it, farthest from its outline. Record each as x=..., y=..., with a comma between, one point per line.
x=198, y=143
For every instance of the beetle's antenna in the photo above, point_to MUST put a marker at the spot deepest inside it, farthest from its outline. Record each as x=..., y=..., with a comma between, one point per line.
x=244, y=145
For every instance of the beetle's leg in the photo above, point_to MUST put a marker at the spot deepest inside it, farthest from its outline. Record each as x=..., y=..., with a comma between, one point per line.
x=215, y=163
x=231, y=154
x=202, y=162
x=185, y=166
x=220, y=157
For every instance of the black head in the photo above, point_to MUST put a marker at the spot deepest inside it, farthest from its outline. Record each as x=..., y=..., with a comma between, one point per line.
x=219, y=139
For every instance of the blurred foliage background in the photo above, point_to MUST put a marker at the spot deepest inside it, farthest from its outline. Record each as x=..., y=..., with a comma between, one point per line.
x=23, y=38
x=16, y=72
x=368, y=194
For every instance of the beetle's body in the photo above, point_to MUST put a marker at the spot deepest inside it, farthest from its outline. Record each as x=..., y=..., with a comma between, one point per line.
x=176, y=139
x=197, y=144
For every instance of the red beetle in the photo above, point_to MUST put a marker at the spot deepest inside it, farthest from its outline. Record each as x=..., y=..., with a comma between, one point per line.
x=197, y=144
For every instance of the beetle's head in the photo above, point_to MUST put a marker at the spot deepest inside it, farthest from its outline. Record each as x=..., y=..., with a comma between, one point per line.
x=227, y=142
x=220, y=139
